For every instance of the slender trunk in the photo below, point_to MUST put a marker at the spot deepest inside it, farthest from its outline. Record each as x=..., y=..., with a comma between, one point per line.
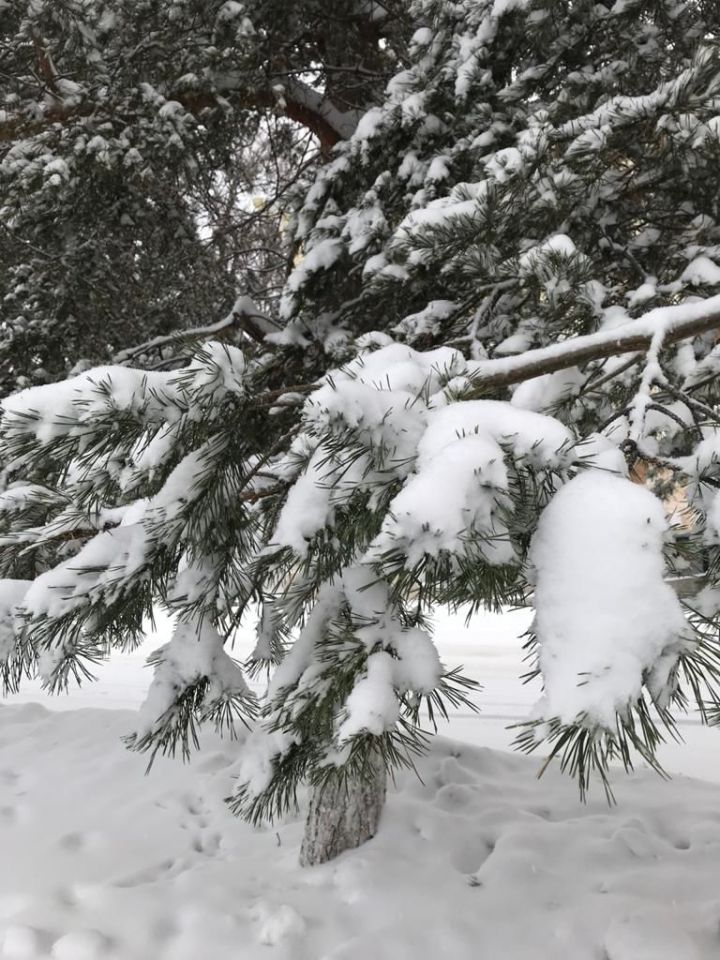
x=343, y=816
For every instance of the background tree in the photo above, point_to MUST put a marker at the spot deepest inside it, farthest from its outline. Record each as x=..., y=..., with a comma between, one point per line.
x=147, y=154
x=503, y=308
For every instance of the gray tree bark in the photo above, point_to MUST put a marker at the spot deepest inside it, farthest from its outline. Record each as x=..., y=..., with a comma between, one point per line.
x=343, y=816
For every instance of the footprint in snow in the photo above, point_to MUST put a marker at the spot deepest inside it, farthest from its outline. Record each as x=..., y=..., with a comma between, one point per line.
x=193, y=805
x=470, y=854
x=150, y=874
x=73, y=842
x=196, y=810
x=207, y=845
x=648, y=938
x=81, y=945
x=277, y=923
x=24, y=943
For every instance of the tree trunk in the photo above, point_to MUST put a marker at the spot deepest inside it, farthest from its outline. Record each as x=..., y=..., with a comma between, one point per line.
x=343, y=816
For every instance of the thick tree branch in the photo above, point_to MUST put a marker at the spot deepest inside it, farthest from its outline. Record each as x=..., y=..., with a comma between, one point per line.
x=680, y=322
x=298, y=102
x=45, y=67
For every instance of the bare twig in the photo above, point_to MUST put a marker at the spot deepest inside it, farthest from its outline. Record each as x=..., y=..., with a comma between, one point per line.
x=697, y=405
x=244, y=316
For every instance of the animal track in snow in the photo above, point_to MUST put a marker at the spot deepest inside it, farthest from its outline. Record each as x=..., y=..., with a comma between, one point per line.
x=149, y=874
x=208, y=845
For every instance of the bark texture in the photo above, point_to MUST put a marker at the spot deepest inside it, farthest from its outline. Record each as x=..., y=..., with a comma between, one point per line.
x=343, y=816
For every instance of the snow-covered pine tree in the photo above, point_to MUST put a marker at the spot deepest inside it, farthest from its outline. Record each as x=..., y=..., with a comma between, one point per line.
x=505, y=312
x=147, y=150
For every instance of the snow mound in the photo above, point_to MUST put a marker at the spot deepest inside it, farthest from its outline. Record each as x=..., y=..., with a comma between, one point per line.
x=477, y=859
x=606, y=619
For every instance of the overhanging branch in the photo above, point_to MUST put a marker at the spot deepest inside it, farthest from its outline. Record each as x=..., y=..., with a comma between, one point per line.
x=244, y=316
x=298, y=102
x=680, y=322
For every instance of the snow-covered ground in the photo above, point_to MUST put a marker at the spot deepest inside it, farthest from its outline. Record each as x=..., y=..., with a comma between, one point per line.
x=478, y=859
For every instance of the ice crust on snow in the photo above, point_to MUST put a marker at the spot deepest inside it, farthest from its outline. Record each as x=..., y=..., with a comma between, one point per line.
x=605, y=619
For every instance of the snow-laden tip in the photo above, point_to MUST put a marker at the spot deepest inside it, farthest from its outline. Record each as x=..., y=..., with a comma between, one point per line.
x=605, y=619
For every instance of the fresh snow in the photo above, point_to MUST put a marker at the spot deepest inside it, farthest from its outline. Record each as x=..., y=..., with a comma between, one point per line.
x=402, y=404
x=701, y=270
x=11, y=596
x=463, y=449
x=194, y=652
x=110, y=863
x=544, y=393
x=372, y=706
x=598, y=550
x=104, y=862
x=66, y=408
x=660, y=320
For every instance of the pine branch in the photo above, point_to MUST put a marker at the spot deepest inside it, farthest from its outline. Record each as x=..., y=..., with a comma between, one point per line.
x=243, y=316
x=634, y=337
x=299, y=103
x=681, y=322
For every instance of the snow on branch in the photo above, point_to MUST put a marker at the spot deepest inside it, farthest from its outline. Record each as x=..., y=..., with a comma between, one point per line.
x=12, y=593
x=245, y=315
x=414, y=435
x=606, y=621
x=194, y=679
x=295, y=99
x=310, y=108
x=678, y=322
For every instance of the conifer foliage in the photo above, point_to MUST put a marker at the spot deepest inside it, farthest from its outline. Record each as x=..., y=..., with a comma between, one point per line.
x=503, y=315
x=147, y=153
